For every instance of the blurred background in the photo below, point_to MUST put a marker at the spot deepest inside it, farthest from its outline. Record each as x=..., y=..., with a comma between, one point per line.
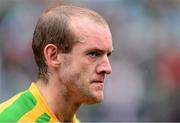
x=145, y=83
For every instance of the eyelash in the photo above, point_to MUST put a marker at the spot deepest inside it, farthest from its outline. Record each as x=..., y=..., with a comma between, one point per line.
x=94, y=54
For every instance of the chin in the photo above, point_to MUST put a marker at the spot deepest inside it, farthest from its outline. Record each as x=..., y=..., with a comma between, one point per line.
x=95, y=99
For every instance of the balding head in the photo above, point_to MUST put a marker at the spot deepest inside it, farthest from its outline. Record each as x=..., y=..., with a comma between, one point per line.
x=54, y=27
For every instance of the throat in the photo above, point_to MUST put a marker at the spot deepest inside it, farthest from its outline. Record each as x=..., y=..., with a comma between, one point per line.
x=67, y=112
x=61, y=102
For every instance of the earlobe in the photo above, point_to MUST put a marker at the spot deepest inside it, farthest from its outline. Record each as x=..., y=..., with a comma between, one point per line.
x=51, y=55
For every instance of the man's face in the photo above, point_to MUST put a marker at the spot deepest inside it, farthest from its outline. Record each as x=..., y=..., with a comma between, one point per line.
x=84, y=68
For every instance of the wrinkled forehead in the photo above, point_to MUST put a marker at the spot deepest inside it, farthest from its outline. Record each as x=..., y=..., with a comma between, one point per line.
x=90, y=32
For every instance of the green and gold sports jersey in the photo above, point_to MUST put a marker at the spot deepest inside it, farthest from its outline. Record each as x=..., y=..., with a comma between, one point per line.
x=27, y=106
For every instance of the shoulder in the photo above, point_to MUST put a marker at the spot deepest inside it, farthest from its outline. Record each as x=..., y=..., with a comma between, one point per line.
x=14, y=108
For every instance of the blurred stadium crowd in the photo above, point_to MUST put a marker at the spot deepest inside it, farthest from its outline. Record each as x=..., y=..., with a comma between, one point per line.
x=145, y=83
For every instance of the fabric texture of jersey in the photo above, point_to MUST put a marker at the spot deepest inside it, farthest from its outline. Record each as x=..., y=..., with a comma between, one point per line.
x=27, y=106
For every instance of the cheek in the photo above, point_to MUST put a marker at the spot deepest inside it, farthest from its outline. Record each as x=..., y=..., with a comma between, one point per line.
x=80, y=81
x=77, y=75
x=74, y=76
x=80, y=78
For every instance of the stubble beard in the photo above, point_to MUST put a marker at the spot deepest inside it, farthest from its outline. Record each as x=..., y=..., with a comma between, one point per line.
x=80, y=88
x=76, y=80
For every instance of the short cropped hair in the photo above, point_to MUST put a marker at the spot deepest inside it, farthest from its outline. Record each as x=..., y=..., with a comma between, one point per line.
x=53, y=27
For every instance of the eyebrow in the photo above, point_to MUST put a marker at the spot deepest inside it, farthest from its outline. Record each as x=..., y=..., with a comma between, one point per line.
x=100, y=50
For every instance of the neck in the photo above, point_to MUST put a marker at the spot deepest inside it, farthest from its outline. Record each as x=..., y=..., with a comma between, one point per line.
x=59, y=100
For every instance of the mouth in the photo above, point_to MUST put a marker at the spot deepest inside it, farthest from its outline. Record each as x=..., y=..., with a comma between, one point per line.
x=98, y=85
x=97, y=81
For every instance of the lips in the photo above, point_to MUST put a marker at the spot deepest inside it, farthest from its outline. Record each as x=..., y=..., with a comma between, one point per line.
x=98, y=81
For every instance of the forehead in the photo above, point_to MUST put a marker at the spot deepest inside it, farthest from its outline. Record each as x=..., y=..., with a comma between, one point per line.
x=91, y=33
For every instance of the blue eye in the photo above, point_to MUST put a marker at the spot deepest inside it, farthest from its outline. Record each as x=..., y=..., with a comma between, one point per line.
x=93, y=54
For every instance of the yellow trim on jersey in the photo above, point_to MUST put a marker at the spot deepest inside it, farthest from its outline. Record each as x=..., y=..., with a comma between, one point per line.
x=40, y=107
x=32, y=115
x=9, y=102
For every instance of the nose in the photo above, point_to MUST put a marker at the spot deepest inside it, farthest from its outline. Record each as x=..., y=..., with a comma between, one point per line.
x=104, y=66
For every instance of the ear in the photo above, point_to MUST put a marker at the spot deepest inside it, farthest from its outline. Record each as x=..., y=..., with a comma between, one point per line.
x=51, y=55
